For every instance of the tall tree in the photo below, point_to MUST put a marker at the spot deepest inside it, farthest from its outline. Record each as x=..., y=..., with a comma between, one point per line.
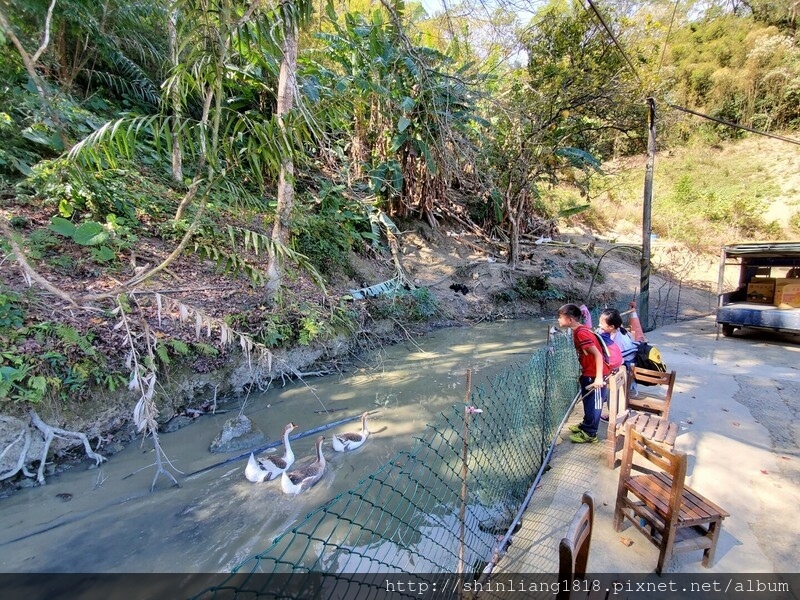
x=292, y=14
x=560, y=115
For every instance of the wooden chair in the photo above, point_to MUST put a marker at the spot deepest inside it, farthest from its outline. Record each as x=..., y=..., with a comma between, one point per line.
x=656, y=428
x=654, y=399
x=573, y=551
x=674, y=517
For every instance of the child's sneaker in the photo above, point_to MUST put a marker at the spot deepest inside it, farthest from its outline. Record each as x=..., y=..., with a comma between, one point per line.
x=575, y=428
x=581, y=437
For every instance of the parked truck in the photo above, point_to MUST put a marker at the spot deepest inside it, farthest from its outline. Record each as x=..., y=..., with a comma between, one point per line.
x=763, y=281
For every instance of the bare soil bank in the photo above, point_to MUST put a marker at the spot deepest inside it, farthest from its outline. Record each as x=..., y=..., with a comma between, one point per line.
x=470, y=282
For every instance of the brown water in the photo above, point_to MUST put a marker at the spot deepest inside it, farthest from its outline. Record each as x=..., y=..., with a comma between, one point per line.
x=217, y=519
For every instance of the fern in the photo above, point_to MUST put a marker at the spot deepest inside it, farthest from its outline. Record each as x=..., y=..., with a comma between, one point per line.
x=162, y=354
x=205, y=349
x=179, y=347
x=230, y=263
x=73, y=338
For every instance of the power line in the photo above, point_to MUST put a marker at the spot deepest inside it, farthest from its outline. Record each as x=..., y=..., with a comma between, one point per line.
x=674, y=106
x=666, y=39
x=735, y=125
x=614, y=39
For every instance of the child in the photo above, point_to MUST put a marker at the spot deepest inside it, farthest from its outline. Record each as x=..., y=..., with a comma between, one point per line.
x=611, y=323
x=593, y=370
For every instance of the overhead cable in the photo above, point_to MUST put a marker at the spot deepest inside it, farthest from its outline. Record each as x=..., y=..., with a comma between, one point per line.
x=735, y=125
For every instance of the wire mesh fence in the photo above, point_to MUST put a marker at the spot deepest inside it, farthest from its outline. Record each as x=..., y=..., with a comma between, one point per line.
x=442, y=507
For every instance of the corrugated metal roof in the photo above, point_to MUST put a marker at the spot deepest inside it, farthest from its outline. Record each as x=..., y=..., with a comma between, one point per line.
x=763, y=249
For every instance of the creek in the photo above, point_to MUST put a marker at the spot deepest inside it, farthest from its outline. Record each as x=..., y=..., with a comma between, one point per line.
x=106, y=520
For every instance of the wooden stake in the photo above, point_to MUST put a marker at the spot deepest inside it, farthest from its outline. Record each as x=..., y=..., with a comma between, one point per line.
x=463, y=513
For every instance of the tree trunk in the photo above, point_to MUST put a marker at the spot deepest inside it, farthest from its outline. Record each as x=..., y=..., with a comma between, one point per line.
x=177, y=155
x=280, y=228
x=515, y=204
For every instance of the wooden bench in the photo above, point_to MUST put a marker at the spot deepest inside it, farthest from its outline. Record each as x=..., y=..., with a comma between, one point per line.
x=674, y=517
x=656, y=428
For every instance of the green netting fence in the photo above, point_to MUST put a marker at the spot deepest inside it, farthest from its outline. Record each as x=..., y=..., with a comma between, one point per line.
x=446, y=506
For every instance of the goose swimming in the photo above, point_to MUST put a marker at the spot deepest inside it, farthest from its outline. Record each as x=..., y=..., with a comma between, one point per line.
x=299, y=480
x=267, y=468
x=351, y=440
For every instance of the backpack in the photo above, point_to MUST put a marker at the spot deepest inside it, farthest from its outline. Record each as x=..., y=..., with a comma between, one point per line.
x=648, y=357
x=612, y=355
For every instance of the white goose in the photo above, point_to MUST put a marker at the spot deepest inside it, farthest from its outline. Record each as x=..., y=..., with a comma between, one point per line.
x=352, y=439
x=301, y=479
x=267, y=468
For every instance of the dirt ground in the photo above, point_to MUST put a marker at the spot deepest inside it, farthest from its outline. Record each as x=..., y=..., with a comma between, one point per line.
x=577, y=265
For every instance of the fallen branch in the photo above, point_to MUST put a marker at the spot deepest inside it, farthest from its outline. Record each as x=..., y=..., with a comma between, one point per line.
x=28, y=272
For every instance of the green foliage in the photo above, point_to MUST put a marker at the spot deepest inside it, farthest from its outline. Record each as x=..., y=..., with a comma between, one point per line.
x=75, y=191
x=310, y=329
x=12, y=315
x=794, y=222
x=324, y=241
x=46, y=359
x=405, y=112
x=536, y=288
x=721, y=215
x=586, y=270
x=734, y=68
x=274, y=332
x=204, y=349
x=418, y=304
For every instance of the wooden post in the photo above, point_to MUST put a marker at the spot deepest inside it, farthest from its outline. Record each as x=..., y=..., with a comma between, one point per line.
x=644, y=298
x=468, y=410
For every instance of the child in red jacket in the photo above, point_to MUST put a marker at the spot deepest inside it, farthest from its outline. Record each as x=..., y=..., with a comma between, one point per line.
x=593, y=372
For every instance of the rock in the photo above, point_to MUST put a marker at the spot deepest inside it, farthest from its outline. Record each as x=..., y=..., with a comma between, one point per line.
x=176, y=423
x=237, y=434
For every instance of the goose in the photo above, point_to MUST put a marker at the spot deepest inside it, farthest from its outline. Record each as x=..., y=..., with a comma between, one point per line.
x=267, y=468
x=352, y=439
x=299, y=480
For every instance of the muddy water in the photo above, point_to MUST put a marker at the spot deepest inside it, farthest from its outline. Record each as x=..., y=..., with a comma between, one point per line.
x=106, y=520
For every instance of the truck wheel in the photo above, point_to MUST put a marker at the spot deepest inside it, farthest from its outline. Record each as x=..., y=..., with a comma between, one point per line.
x=727, y=330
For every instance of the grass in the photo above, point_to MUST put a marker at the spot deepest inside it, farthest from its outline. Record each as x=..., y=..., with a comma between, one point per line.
x=727, y=190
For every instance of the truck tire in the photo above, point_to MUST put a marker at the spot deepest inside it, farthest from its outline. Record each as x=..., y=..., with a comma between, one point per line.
x=727, y=329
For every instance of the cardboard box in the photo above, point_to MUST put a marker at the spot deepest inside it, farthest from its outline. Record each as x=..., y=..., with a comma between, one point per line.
x=761, y=291
x=788, y=294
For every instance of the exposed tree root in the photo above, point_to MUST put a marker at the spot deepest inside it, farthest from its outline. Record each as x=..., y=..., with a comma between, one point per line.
x=49, y=433
x=25, y=437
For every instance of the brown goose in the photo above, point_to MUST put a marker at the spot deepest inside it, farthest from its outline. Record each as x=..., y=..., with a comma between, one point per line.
x=301, y=479
x=352, y=439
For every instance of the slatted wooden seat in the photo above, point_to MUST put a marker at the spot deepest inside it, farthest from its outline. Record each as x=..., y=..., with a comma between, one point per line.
x=658, y=429
x=655, y=397
x=573, y=554
x=673, y=516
